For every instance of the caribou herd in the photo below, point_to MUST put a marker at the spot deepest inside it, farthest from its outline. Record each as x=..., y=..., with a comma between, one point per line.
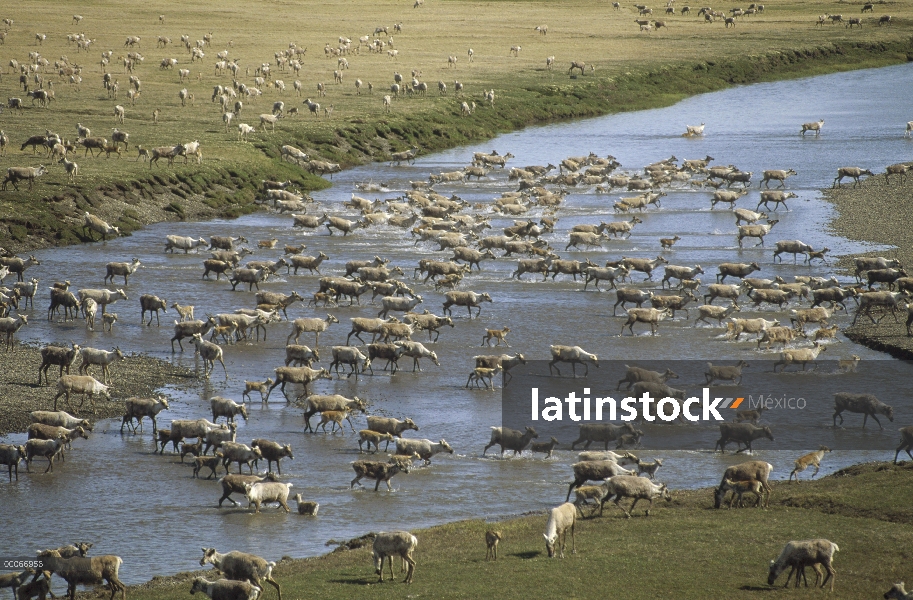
x=450, y=241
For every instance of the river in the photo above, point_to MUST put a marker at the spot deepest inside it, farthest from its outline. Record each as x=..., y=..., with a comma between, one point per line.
x=114, y=492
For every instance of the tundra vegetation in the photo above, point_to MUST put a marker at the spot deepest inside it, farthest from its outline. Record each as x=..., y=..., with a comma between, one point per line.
x=525, y=92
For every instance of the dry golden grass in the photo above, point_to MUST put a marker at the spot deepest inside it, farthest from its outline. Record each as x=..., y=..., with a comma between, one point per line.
x=254, y=31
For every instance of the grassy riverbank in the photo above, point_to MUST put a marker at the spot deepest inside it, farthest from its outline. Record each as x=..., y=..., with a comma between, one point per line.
x=684, y=550
x=634, y=70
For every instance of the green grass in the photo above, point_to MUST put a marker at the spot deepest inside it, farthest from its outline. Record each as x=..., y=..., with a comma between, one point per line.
x=633, y=71
x=684, y=550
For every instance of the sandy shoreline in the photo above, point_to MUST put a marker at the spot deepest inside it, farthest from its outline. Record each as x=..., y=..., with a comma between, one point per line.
x=880, y=212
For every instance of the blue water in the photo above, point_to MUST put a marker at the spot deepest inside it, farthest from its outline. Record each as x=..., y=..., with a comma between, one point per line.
x=114, y=492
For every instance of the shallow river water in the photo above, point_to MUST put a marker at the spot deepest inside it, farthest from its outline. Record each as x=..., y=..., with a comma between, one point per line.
x=114, y=492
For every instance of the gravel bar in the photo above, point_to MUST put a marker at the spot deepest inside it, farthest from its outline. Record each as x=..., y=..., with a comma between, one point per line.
x=880, y=212
x=138, y=375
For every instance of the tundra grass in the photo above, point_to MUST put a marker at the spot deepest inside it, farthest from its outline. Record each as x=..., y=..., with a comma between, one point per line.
x=633, y=70
x=684, y=550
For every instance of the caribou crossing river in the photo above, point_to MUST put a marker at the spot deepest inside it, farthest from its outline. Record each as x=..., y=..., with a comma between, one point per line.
x=114, y=492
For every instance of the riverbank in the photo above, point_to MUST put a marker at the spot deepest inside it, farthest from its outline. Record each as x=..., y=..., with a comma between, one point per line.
x=683, y=550
x=137, y=375
x=880, y=212
x=633, y=72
